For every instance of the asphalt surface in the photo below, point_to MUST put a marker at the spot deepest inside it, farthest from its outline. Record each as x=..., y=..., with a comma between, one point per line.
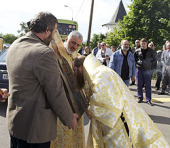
x=160, y=112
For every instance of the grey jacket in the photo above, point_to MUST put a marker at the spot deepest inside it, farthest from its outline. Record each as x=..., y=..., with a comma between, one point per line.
x=165, y=60
x=37, y=96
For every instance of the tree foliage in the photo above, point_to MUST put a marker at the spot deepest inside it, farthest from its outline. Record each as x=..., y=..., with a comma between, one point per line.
x=24, y=29
x=113, y=38
x=9, y=38
x=148, y=19
x=96, y=38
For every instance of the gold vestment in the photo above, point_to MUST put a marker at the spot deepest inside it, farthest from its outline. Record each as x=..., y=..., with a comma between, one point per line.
x=109, y=98
x=68, y=138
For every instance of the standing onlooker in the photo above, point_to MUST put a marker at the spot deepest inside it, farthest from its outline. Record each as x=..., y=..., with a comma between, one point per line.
x=37, y=95
x=159, y=69
x=123, y=63
x=95, y=50
x=82, y=50
x=113, y=48
x=137, y=45
x=151, y=45
x=145, y=58
x=165, y=59
x=87, y=51
x=103, y=55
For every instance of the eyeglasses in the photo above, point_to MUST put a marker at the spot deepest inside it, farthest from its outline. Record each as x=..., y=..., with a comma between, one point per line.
x=103, y=45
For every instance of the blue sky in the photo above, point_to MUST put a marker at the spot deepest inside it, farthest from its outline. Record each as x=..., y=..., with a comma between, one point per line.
x=12, y=13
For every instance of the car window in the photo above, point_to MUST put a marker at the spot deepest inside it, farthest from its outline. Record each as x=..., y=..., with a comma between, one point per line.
x=3, y=56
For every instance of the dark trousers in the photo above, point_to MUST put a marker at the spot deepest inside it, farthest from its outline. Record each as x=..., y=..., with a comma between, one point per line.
x=18, y=143
x=166, y=81
x=159, y=78
x=141, y=77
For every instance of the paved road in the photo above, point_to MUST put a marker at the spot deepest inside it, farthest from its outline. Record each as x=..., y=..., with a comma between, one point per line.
x=4, y=136
x=159, y=113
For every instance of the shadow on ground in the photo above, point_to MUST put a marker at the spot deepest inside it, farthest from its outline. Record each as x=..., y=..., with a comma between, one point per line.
x=160, y=119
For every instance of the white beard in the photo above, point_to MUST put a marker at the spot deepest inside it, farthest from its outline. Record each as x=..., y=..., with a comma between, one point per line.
x=74, y=54
x=125, y=49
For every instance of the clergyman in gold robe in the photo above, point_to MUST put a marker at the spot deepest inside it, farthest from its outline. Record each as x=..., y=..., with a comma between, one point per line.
x=109, y=99
x=68, y=138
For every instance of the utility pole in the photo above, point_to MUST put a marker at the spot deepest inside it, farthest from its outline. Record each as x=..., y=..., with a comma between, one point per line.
x=90, y=23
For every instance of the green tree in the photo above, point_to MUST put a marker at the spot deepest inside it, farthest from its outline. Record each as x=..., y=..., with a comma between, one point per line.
x=24, y=29
x=9, y=38
x=113, y=38
x=149, y=19
x=95, y=39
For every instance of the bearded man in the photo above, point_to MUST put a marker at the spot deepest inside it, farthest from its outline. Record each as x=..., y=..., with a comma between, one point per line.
x=67, y=137
x=110, y=98
x=123, y=63
x=37, y=93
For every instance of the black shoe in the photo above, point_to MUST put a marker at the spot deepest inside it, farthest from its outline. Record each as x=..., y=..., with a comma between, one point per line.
x=150, y=103
x=157, y=88
x=140, y=101
x=161, y=93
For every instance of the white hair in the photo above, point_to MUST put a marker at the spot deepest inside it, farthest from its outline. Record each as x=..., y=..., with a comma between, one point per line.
x=75, y=33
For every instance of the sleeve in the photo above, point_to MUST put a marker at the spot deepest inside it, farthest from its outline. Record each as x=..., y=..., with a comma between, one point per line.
x=110, y=53
x=135, y=56
x=111, y=63
x=154, y=60
x=162, y=59
x=98, y=56
x=47, y=72
x=93, y=51
x=133, y=67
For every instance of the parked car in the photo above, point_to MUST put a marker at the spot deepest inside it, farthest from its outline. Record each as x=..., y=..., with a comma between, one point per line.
x=3, y=71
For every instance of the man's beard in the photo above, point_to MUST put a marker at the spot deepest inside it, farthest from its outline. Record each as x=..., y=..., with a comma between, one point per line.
x=48, y=39
x=79, y=80
x=125, y=48
x=73, y=53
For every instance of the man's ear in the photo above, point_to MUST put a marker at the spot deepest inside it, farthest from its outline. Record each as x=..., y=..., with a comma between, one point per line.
x=66, y=39
x=47, y=31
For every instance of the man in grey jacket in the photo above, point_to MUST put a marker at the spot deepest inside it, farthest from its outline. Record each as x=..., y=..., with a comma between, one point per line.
x=165, y=59
x=37, y=95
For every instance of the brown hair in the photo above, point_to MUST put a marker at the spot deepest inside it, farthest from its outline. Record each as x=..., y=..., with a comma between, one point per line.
x=144, y=40
x=79, y=60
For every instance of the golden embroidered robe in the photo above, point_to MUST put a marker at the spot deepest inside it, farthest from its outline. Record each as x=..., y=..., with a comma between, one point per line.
x=109, y=99
x=68, y=138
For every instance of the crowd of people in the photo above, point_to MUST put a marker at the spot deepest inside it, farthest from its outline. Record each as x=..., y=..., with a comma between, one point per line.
x=139, y=64
x=39, y=114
